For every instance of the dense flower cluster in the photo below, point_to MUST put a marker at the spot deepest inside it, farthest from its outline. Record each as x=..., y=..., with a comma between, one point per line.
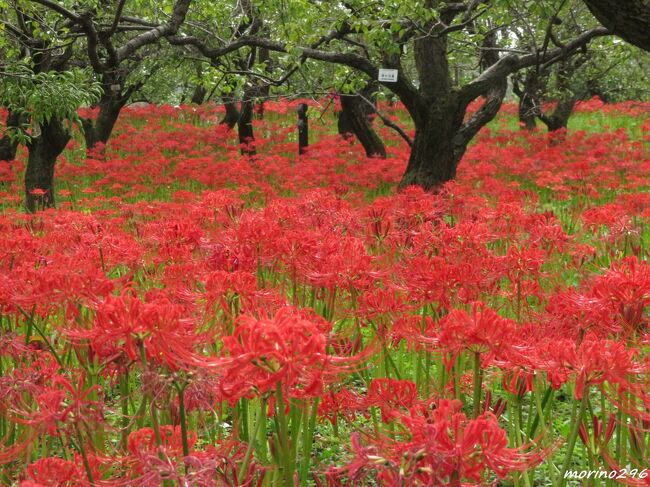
x=192, y=316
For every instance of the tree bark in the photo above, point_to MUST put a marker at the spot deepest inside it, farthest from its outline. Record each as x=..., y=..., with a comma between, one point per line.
x=114, y=99
x=232, y=114
x=441, y=132
x=303, y=129
x=559, y=119
x=264, y=56
x=354, y=118
x=198, y=97
x=101, y=129
x=629, y=19
x=566, y=84
x=527, y=92
x=434, y=159
x=245, y=128
x=8, y=145
x=43, y=153
x=527, y=117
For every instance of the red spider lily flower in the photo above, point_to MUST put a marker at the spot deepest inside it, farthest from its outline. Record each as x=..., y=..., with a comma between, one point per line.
x=626, y=289
x=595, y=361
x=57, y=472
x=54, y=472
x=144, y=441
x=439, y=447
x=600, y=438
x=481, y=331
x=59, y=404
x=385, y=303
x=234, y=293
x=391, y=395
x=288, y=350
x=346, y=403
x=124, y=322
x=342, y=263
x=572, y=314
x=10, y=453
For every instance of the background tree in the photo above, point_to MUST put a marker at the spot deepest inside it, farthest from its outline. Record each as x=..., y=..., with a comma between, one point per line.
x=578, y=76
x=418, y=39
x=355, y=119
x=114, y=42
x=43, y=91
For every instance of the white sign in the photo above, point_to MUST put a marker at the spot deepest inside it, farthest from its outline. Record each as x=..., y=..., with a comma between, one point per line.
x=388, y=75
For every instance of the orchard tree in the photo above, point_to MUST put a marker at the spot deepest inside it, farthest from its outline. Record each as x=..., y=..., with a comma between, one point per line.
x=48, y=100
x=544, y=81
x=114, y=44
x=357, y=110
x=616, y=71
x=9, y=139
x=42, y=92
x=244, y=74
x=48, y=41
x=418, y=40
x=591, y=71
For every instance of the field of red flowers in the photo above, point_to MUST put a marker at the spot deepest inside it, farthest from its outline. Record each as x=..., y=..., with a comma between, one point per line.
x=190, y=316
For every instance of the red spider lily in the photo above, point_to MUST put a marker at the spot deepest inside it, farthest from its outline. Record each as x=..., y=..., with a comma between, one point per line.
x=144, y=441
x=600, y=438
x=59, y=404
x=625, y=288
x=150, y=465
x=125, y=323
x=346, y=403
x=595, y=361
x=391, y=395
x=236, y=292
x=342, y=263
x=481, y=332
x=154, y=264
x=288, y=350
x=53, y=472
x=575, y=314
x=441, y=447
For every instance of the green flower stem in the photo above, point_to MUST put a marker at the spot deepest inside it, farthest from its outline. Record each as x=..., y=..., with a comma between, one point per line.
x=478, y=384
x=573, y=435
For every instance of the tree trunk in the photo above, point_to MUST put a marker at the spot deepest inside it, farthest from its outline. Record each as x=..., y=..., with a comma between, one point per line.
x=434, y=157
x=303, y=129
x=39, y=174
x=527, y=91
x=245, y=127
x=441, y=132
x=559, y=119
x=8, y=145
x=100, y=130
x=355, y=118
x=527, y=108
x=198, y=97
x=232, y=114
x=629, y=19
x=264, y=56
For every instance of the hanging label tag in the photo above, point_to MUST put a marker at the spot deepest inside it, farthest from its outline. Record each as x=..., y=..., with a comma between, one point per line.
x=388, y=75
